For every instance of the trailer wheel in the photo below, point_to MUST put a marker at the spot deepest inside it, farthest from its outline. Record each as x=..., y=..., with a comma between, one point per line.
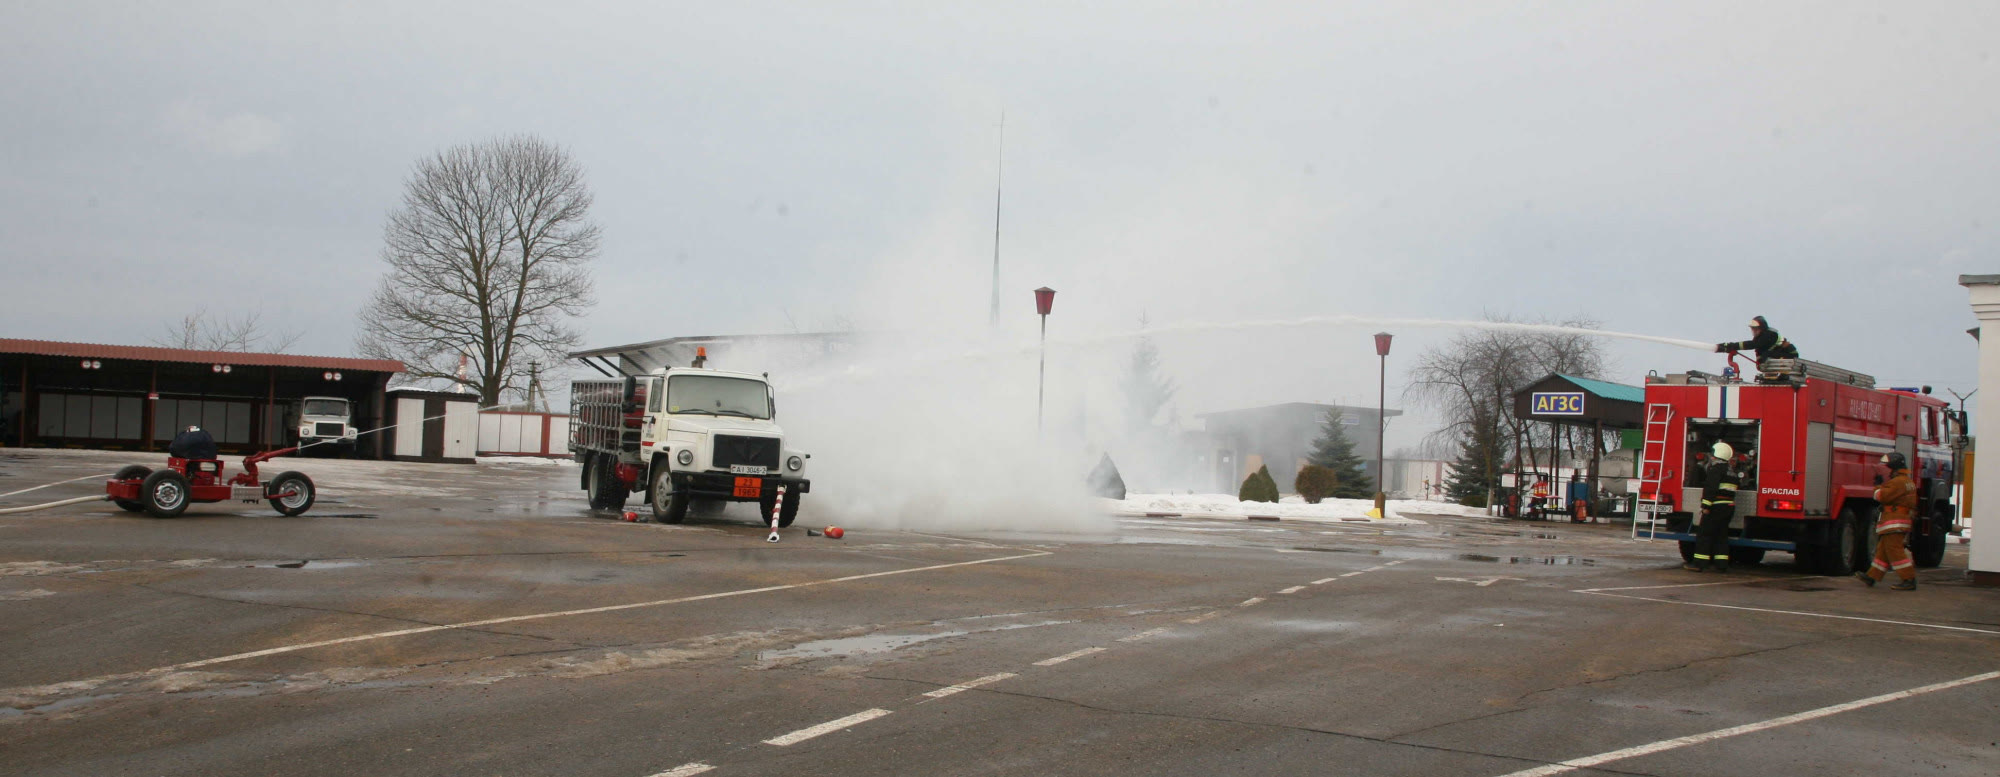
x=131, y=472
x=1835, y=558
x=298, y=490
x=607, y=492
x=787, y=514
x=164, y=494
x=669, y=506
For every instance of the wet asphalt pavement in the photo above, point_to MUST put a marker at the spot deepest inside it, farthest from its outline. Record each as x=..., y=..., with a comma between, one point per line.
x=461, y=620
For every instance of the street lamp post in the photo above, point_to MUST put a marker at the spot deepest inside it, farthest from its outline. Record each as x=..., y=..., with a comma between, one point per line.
x=1045, y=300
x=1381, y=422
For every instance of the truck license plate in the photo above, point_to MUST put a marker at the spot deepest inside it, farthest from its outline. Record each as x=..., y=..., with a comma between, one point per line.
x=749, y=488
x=748, y=469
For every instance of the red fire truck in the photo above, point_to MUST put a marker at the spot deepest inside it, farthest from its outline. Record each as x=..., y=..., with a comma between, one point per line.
x=1814, y=436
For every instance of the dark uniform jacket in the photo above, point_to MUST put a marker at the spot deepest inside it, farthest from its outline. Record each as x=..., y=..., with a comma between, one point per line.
x=1768, y=344
x=1719, y=482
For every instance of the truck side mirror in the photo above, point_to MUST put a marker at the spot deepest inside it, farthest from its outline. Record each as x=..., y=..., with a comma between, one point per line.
x=631, y=393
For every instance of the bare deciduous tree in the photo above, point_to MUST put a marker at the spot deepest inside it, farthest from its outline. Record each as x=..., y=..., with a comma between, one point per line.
x=198, y=331
x=1471, y=380
x=488, y=259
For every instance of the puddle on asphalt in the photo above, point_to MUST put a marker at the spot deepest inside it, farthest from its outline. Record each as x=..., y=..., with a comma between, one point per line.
x=884, y=643
x=1361, y=551
x=854, y=646
x=307, y=564
x=1560, y=561
x=365, y=516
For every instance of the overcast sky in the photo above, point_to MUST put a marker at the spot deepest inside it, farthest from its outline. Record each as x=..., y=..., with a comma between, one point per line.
x=1668, y=168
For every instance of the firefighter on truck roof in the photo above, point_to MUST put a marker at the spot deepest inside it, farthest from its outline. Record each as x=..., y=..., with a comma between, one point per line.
x=1898, y=496
x=1720, y=476
x=1764, y=341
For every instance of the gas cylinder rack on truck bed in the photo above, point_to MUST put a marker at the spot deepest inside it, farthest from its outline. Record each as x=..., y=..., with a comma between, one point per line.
x=1814, y=436
x=684, y=434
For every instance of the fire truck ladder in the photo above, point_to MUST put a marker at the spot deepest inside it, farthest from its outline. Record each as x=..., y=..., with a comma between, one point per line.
x=1652, y=470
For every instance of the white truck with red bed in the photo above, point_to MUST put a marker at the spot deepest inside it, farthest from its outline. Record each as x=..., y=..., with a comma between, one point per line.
x=682, y=434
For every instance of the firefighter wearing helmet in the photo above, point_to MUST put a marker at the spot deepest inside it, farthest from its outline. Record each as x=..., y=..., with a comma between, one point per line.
x=1898, y=498
x=1720, y=476
x=1764, y=341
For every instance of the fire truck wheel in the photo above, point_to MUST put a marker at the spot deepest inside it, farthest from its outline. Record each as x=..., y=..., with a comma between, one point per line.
x=1835, y=558
x=786, y=514
x=298, y=493
x=131, y=472
x=164, y=494
x=1927, y=549
x=668, y=506
x=606, y=491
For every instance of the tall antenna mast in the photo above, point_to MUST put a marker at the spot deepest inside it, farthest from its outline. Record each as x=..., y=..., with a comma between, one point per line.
x=999, y=173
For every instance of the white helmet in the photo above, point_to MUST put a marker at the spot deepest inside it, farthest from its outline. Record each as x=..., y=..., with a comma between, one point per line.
x=1723, y=451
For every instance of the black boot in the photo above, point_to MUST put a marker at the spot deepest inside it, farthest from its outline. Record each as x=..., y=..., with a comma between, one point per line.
x=1905, y=585
x=1865, y=578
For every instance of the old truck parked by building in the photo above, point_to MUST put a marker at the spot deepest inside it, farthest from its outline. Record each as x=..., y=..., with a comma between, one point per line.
x=684, y=434
x=325, y=423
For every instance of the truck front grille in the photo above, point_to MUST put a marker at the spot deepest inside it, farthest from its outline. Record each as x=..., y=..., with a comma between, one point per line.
x=324, y=429
x=731, y=450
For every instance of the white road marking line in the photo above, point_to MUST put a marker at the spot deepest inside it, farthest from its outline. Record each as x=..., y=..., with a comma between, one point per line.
x=1250, y=601
x=1795, y=612
x=1397, y=561
x=539, y=616
x=1068, y=656
x=1695, y=739
x=1351, y=574
x=686, y=770
x=1376, y=567
x=1204, y=616
x=1324, y=581
x=968, y=685
x=1693, y=585
x=1293, y=589
x=828, y=727
x=1143, y=635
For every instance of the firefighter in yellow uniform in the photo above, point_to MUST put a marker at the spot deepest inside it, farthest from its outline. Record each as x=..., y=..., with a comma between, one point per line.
x=1898, y=498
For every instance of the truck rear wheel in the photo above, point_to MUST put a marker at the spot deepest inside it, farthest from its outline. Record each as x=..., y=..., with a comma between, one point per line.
x=669, y=506
x=606, y=491
x=1835, y=556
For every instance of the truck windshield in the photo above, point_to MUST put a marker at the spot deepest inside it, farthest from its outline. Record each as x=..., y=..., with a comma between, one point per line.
x=325, y=407
x=717, y=395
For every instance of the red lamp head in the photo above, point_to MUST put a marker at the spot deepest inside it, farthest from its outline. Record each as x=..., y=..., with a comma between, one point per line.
x=1045, y=298
x=1382, y=343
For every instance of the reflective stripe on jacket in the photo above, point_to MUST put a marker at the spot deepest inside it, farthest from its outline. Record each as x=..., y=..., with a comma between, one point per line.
x=1898, y=497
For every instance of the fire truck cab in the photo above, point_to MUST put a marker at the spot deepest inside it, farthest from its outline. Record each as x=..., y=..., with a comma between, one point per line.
x=1814, y=436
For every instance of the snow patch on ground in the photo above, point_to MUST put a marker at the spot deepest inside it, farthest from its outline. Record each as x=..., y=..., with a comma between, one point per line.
x=1291, y=508
x=524, y=461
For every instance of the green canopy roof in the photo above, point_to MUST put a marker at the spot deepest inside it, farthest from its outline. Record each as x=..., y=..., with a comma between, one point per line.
x=1615, y=391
